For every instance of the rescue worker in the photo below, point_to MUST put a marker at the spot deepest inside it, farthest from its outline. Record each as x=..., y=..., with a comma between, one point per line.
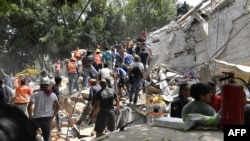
x=72, y=75
x=106, y=115
x=91, y=100
x=22, y=96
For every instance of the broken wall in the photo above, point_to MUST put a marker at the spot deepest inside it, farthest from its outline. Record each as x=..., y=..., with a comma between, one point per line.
x=215, y=31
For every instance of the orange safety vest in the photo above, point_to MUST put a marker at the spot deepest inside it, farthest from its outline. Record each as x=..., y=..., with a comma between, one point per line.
x=98, y=59
x=22, y=94
x=72, y=67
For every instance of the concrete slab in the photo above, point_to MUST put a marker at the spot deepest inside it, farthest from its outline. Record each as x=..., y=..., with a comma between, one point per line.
x=148, y=133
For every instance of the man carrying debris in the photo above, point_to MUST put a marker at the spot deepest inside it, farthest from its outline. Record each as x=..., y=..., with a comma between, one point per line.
x=91, y=100
x=106, y=114
x=44, y=113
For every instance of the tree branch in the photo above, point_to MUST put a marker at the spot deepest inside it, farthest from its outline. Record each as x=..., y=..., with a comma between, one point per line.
x=84, y=9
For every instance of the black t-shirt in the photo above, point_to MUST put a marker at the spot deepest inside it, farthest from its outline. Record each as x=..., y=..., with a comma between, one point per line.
x=87, y=61
x=177, y=106
x=55, y=89
x=144, y=56
x=137, y=50
x=106, y=98
x=92, y=93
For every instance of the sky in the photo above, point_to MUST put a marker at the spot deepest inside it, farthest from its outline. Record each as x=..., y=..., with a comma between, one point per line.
x=191, y=2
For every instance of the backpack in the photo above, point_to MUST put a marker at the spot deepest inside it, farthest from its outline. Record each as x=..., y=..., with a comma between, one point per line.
x=136, y=72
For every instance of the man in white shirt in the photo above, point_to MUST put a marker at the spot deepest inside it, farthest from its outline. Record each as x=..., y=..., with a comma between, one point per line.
x=105, y=73
x=43, y=113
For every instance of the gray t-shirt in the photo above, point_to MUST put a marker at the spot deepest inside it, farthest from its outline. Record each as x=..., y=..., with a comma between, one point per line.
x=198, y=107
x=43, y=104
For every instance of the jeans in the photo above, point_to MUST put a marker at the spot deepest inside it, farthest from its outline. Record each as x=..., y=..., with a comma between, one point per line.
x=72, y=82
x=86, y=75
x=22, y=107
x=44, y=124
x=58, y=123
x=135, y=89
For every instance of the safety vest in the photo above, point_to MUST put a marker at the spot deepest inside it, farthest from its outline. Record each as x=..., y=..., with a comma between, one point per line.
x=98, y=59
x=22, y=94
x=72, y=67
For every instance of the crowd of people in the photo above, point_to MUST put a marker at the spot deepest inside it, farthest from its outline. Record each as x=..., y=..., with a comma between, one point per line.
x=111, y=73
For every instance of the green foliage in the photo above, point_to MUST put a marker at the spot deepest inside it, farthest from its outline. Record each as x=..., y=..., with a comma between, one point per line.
x=32, y=30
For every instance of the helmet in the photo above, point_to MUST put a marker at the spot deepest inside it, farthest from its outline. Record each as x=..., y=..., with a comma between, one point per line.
x=45, y=81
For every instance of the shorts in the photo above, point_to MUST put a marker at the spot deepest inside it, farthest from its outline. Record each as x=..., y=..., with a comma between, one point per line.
x=105, y=119
x=121, y=82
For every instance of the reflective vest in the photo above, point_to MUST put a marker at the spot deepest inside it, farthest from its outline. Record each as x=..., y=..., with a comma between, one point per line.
x=22, y=94
x=72, y=67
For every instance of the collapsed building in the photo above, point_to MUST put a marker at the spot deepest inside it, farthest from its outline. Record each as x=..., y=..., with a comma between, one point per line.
x=211, y=32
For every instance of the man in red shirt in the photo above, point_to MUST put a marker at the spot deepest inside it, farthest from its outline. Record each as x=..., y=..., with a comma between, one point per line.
x=215, y=99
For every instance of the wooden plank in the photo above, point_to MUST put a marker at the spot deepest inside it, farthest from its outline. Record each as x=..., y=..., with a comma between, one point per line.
x=137, y=109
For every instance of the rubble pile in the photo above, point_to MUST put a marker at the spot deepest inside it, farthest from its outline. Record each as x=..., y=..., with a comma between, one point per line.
x=161, y=87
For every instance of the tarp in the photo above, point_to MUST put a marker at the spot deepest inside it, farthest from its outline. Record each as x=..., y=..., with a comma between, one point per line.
x=240, y=71
x=28, y=72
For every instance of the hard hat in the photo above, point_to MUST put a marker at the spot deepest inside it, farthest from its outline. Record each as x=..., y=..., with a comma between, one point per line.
x=45, y=81
x=97, y=50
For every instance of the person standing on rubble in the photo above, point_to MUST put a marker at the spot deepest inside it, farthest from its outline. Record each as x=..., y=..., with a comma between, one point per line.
x=180, y=101
x=136, y=78
x=106, y=114
x=88, y=68
x=55, y=89
x=22, y=96
x=44, y=102
x=105, y=73
x=72, y=75
x=91, y=101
